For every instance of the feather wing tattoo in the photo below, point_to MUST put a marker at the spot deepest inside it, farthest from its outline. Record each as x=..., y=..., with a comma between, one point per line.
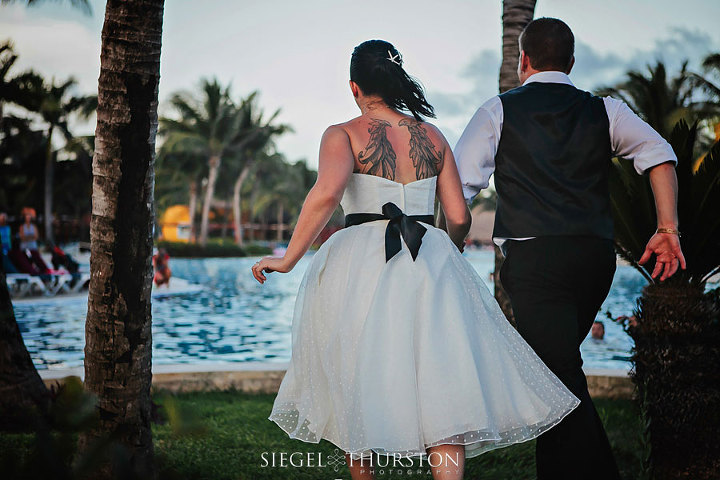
x=378, y=158
x=425, y=157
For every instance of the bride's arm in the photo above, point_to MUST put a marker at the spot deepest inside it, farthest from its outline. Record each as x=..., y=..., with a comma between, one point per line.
x=455, y=215
x=335, y=165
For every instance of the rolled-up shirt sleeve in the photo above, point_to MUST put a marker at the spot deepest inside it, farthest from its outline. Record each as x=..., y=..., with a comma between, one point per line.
x=476, y=149
x=633, y=139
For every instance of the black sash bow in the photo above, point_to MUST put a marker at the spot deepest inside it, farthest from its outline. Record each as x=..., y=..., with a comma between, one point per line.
x=399, y=225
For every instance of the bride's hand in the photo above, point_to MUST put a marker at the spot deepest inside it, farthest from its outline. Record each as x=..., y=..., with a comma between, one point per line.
x=269, y=264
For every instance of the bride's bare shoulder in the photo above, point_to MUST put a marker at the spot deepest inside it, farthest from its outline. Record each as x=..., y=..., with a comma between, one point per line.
x=347, y=127
x=336, y=136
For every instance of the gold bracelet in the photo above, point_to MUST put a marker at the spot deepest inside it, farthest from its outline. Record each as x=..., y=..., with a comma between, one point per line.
x=672, y=231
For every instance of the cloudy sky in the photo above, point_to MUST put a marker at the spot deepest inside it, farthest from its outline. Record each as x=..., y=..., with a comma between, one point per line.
x=297, y=53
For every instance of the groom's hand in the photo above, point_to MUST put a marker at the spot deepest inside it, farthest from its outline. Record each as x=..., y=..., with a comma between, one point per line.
x=666, y=248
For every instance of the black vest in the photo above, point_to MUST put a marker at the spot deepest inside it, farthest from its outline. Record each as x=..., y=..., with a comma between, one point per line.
x=552, y=163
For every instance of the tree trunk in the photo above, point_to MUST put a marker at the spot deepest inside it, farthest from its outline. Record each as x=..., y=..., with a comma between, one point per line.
x=223, y=229
x=280, y=225
x=515, y=17
x=237, y=211
x=214, y=164
x=251, y=209
x=118, y=326
x=192, y=207
x=22, y=391
x=49, y=178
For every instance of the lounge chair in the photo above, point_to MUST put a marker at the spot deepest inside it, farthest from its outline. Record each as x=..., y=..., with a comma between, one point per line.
x=59, y=282
x=21, y=284
x=81, y=282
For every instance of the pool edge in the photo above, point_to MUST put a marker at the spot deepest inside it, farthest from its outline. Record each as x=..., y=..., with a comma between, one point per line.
x=265, y=377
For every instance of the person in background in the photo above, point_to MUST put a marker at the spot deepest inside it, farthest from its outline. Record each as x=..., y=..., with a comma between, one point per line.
x=5, y=233
x=162, y=268
x=61, y=259
x=28, y=241
x=597, y=331
x=6, y=245
x=28, y=233
x=23, y=264
x=631, y=320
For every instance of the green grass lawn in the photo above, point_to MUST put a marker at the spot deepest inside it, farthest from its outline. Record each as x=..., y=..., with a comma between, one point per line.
x=226, y=435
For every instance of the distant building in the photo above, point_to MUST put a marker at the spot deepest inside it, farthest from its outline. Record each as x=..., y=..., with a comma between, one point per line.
x=175, y=224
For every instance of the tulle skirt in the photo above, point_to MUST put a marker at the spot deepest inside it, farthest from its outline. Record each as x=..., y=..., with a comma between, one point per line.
x=395, y=357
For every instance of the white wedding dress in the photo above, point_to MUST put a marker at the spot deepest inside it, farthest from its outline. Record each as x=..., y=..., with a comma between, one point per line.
x=397, y=356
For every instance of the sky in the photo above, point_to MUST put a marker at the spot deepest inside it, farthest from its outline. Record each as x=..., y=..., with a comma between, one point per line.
x=297, y=54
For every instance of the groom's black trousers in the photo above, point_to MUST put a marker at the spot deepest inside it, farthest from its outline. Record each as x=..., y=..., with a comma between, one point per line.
x=556, y=286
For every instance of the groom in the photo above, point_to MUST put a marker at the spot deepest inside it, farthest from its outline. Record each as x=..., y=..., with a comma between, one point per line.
x=550, y=146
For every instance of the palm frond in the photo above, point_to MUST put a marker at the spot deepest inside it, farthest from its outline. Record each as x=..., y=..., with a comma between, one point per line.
x=82, y=5
x=712, y=62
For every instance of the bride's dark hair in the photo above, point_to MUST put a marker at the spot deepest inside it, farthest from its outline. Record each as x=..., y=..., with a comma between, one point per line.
x=376, y=66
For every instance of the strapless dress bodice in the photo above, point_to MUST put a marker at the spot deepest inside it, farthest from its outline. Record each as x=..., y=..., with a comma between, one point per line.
x=368, y=193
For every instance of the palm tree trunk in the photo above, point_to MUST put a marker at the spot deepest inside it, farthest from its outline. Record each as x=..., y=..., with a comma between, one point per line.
x=21, y=388
x=214, y=164
x=237, y=211
x=192, y=207
x=515, y=17
x=280, y=225
x=223, y=229
x=49, y=178
x=251, y=209
x=118, y=327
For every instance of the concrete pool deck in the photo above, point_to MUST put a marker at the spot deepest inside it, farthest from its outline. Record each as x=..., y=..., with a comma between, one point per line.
x=265, y=377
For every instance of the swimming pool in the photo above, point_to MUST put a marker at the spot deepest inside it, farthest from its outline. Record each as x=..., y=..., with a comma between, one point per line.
x=233, y=319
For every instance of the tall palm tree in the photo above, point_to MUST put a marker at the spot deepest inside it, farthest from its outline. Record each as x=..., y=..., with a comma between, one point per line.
x=213, y=126
x=54, y=105
x=516, y=14
x=257, y=147
x=118, y=327
x=208, y=125
x=515, y=17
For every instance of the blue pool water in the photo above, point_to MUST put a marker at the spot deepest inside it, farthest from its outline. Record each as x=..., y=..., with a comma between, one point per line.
x=233, y=319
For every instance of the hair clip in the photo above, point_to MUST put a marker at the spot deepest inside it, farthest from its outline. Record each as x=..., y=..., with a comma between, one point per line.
x=396, y=59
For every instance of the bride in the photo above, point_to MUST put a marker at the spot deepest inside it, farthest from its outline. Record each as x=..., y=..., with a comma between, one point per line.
x=398, y=348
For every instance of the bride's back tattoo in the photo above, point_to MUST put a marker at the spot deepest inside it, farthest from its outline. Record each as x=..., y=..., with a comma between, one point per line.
x=379, y=158
x=426, y=159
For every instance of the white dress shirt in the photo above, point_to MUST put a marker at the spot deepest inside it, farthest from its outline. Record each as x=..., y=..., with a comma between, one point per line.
x=630, y=137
